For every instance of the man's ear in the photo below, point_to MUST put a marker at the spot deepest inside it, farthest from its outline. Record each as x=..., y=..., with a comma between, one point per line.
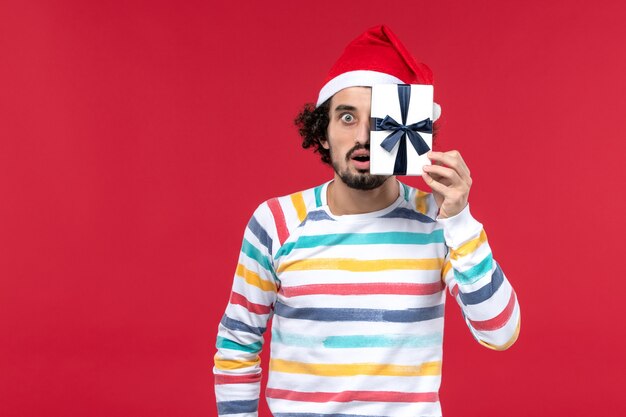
x=324, y=143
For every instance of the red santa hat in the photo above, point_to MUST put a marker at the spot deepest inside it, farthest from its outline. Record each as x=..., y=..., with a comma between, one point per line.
x=376, y=57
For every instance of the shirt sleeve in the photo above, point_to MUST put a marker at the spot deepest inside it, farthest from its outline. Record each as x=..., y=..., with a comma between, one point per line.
x=487, y=299
x=237, y=366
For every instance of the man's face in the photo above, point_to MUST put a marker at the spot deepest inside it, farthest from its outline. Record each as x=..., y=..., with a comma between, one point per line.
x=349, y=138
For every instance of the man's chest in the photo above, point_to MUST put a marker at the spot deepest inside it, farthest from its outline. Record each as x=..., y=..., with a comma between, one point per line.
x=383, y=264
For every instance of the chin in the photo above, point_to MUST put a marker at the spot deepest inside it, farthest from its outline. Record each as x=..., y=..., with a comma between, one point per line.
x=363, y=180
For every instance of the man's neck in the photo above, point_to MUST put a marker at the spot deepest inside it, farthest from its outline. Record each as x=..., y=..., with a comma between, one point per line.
x=345, y=200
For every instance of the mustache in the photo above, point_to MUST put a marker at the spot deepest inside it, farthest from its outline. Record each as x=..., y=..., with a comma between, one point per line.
x=357, y=147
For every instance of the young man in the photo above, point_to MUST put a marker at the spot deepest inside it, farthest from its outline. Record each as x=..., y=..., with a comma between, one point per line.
x=354, y=271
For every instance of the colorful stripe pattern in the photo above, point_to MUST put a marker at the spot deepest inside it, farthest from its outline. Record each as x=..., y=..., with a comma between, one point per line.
x=349, y=396
x=399, y=288
x=408, y=315
x=358, y=305
x=357, y=340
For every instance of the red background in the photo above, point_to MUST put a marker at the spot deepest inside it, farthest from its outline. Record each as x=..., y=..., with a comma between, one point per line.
x=137, y=137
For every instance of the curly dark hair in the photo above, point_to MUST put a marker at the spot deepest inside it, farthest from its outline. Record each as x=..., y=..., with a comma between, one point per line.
x=312, y=124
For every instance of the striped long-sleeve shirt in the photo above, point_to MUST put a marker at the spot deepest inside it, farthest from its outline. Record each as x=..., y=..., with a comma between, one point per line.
x=357, y=303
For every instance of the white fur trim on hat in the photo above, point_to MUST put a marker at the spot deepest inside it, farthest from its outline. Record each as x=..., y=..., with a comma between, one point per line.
x=360, y=78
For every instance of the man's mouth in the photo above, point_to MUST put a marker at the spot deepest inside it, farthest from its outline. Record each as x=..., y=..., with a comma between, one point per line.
x=361, y=159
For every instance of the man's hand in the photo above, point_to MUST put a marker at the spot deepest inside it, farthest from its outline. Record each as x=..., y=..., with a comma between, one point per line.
x=450, y=181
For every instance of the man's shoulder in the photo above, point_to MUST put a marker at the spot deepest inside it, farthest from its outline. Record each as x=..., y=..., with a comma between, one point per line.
x=295, y=206
x=283, y=214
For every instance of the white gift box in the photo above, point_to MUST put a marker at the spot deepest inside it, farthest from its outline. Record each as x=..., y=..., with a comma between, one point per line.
x=386, y=102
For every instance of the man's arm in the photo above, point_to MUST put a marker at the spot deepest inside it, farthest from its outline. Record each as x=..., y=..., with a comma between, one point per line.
x=475, y=279
x=237, y=367
x=486, y=297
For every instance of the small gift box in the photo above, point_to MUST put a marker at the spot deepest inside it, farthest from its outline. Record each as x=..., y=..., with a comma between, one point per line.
x=401, y=128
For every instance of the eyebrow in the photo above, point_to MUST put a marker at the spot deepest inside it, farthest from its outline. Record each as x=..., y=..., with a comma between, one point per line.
x=345, y=107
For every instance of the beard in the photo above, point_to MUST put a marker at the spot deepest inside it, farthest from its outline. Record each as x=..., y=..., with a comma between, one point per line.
x=362, y=179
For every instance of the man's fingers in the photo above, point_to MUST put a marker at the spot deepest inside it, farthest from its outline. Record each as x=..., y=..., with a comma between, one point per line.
x=453, y=159
x=450, y=180
x=434, y=184
x=441, y=179
x=442, y=172
x=447, y=176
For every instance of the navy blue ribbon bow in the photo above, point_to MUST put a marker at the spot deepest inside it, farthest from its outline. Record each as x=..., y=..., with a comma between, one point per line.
x=399, y=132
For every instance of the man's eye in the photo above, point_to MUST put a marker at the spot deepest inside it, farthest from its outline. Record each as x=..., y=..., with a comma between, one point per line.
x=347, y=118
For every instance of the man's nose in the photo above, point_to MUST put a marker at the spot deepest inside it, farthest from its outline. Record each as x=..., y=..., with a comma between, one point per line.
x=363, y=133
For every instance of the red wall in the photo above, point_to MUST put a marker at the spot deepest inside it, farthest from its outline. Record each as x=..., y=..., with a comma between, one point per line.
x=137, y=137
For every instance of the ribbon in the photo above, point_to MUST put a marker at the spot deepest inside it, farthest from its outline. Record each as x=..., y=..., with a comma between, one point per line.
x=399, y=132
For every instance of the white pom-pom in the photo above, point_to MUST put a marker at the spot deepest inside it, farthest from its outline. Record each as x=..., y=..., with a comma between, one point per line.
x=436, y=111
